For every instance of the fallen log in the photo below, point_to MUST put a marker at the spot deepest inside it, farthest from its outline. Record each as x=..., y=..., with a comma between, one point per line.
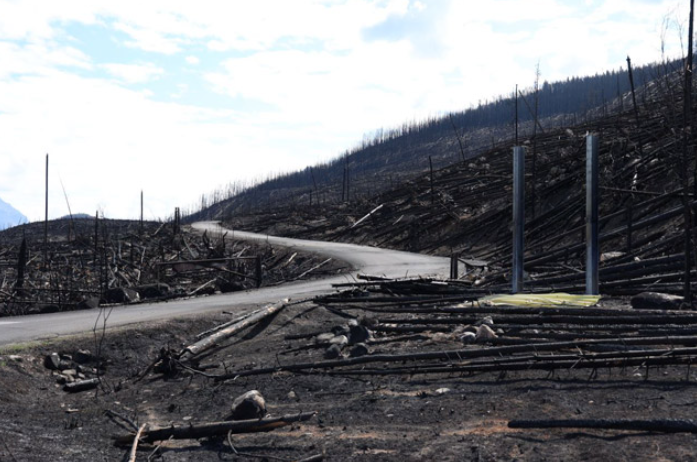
x=397, y=306
x=207, y=429
x=655, y=425
x=367, y=216
x=203, y=286
x=213, y=339
x=81, y=385
x=549, y=366
x=593, y=322
x=227, y=324
x=314, y=458
x=136, y=440
x=318, y=266
x=454, y=355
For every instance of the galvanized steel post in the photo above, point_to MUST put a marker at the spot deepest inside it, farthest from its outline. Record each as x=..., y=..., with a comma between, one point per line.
x=518, y=218
x=592, y=242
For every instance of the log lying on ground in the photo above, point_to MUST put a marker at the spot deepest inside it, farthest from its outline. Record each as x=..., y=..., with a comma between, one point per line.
x=207, y=429
x=657, y=425
x=367, y=216
x=213, y=339
x=81, y=385
x=549, y=366
x=318, y=266
x=455, y=355
x=227, y=324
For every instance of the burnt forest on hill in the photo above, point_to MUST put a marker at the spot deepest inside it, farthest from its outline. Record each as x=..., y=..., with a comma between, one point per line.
x=464, y=209
x=388, y=157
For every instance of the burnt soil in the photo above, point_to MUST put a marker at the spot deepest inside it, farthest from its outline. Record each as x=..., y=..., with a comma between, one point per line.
x=421, y=417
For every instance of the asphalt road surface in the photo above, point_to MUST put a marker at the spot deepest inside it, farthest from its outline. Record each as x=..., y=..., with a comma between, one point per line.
x=367, y=260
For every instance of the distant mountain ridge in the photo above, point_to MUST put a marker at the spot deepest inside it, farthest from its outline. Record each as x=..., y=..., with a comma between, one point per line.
x=10, y=216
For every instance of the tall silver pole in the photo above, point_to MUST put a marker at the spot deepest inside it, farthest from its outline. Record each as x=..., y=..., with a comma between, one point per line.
x=46, y=216
x=518, y=217
x=592, y=243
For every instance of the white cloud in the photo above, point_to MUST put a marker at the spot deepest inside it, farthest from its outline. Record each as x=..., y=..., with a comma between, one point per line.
x=134, y=73
x=149, y=40
x=182, y=88
x=295, y=82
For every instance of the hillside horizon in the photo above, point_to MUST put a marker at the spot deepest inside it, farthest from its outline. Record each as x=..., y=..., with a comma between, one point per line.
x=387, y=156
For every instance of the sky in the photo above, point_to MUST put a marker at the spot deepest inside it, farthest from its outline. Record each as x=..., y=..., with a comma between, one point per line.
x=179, y=98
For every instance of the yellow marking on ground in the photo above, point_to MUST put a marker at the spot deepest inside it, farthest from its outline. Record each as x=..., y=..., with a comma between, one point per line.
x=541, y=300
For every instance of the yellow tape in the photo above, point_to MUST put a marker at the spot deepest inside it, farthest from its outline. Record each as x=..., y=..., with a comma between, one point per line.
x=557, y=299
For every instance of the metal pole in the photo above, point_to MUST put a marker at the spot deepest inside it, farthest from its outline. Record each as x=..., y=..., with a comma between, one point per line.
x=453, y=266
x=141, y=211
x=592, y=242
x=46, y=216
x=518, y=217
x=687, y=122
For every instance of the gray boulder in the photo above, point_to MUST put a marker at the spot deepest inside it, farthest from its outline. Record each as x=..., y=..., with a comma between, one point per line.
x=250, y=405
x=656, y=301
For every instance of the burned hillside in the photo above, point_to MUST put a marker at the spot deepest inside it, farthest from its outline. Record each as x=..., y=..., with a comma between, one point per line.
x=465, y=209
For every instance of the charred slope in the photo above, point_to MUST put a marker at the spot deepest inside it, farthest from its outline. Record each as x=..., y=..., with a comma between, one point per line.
x=466, y=208
x=389, y=157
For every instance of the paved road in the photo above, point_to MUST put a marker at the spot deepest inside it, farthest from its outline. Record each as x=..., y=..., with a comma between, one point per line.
x=368, y=260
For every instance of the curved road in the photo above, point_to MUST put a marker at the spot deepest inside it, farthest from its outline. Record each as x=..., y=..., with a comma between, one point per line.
x=369, y=260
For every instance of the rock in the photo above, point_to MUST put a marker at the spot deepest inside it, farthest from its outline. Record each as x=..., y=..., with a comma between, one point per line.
x=88, y=303
x=324, y=338
x=87, y=370
x=121, y=295
x=359, y=349
x=50, y=308
x=605, y=256
x=340, y=340
x=468, y=338
x=226, y=287
x=293, y=396
x=340, y=330
x=332, y=352
x=250, y=405
x=484, y=333
x=156, y=290
x=65, y=365
x=208, y=290
x=358, y=334
x=69, y=372
x=52, y=361
x=368, y=321
x=486, y=320
x=656, y=301
x=442, y=391
x=83, y=356
x=440, y=337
